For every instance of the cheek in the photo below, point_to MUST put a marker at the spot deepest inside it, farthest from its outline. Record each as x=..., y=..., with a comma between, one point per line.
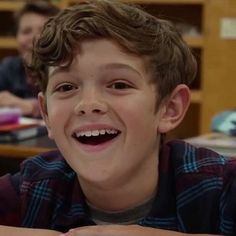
x=23, y=39
x=139, y=120
x=59, y=114
x=24, y=44
x=137, y=111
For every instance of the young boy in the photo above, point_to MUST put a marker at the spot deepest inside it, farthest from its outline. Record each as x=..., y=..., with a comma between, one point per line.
x=16, y=88
x=113, y=80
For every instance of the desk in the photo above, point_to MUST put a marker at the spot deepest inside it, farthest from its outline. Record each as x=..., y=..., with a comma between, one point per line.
x=26, y=148
x=221, y=143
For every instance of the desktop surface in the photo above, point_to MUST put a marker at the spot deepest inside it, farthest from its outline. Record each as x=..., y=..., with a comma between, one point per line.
x=27, y=148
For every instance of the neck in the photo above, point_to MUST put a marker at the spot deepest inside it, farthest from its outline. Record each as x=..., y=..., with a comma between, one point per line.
x=121, y=195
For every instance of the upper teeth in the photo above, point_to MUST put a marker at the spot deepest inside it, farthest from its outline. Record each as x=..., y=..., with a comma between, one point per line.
x=96, y=132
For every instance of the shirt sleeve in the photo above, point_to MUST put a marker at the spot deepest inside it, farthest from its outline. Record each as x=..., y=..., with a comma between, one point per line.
x=10, y=200
x=228, y=201
x=3, y=78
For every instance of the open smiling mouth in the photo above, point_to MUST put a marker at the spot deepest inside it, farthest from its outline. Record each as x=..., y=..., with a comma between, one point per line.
x=96, y=137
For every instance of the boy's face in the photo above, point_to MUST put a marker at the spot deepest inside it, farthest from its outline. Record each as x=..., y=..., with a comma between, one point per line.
x=101, y=114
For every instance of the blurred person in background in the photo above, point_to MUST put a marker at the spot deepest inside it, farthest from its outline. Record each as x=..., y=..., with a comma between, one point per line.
x=16, y=88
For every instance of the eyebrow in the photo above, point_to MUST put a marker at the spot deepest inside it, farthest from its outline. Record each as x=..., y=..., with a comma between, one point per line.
x=56, y=69
x=110, y=66
x=120, y=66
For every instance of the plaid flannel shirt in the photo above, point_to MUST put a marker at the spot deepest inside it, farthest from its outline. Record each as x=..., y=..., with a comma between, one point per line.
x=196, y=193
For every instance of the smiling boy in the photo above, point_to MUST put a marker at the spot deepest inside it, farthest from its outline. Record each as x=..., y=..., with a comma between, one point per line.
x=113, y=80
x=108, y=108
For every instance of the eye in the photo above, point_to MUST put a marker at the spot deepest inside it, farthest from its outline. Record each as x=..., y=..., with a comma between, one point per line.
x=65, y=87
x=120, y=85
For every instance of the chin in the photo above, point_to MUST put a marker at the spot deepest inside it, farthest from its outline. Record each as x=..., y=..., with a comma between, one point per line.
x=98, y=179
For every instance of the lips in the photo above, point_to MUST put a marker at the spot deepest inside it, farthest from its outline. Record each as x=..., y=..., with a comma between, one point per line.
x=96, y=136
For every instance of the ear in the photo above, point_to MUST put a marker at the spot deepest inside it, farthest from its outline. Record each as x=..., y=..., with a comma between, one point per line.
x=174, y=108
x=43, y=111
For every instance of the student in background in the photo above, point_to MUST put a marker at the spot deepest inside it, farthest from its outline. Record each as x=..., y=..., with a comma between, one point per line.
x=114, y=79
x=16, y=87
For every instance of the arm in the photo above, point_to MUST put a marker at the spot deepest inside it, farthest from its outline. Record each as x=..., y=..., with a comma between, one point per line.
x=28, y=106
x=12, y=78
x=123, y=230
x=12, y=231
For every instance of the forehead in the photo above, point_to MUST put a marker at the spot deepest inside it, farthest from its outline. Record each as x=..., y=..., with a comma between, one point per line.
x=103, y=54
x=31, y=18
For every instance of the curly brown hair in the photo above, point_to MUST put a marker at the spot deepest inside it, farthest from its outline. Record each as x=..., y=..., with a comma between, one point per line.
x=169, y=58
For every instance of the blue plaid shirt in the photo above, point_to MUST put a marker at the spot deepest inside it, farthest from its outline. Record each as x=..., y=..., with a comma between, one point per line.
x=13, y=78
x=196, y=193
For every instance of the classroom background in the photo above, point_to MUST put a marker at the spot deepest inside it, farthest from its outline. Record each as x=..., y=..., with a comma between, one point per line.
x=209, y=28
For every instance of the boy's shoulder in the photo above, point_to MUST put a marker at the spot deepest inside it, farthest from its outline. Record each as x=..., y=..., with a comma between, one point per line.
x=202, y=181
x=49, y=193
x=187, y=158
x=49, y=165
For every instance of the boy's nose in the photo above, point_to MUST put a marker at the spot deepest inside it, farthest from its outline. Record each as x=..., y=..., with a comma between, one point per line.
x=91, y=104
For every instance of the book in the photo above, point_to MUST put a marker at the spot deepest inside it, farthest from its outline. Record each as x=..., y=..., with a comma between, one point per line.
x=9, y=115
x=218, y=142
x=25, y=129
